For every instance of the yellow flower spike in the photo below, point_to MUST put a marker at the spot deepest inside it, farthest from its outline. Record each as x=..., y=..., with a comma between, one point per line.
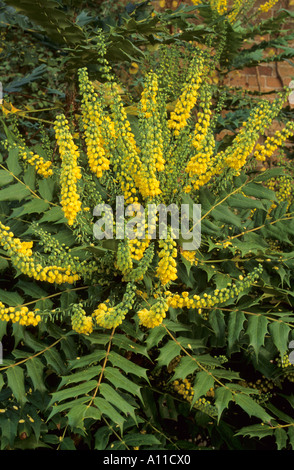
x=70, y=171
x=167, y=270
x=187, y=100
x=267, y=6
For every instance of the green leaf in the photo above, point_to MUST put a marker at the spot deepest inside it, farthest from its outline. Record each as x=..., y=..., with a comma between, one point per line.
x=54, y=359
x=77, y=415
x=235, y=326
x=67, y=444
x=291, y=436
x=259, y=191
x=128, y=366
x=72, y=392
x=14, y=192
x=107, y=409
x=113, y=397
x=15, y=380
x=280, y=334
x=167, y=353
x=251, y=407
x=139, y=440
x=217, y=321
x=203, y=382
x=12, y=161
x=120, y=381
x=35, y=369
x=256, y=430
x=256, y=330
x=281, y=438
x=81, y=376
x=35, y=206
x=223, y=396
x=53, y=215
x=5, y=178
x=12, y=299
x=185, y=367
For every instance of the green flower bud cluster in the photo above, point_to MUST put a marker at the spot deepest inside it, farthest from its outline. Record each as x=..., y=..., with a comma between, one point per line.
x=136, y=274
x=124, y=262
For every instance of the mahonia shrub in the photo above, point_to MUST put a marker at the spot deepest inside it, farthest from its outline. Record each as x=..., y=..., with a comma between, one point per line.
x=110, y=342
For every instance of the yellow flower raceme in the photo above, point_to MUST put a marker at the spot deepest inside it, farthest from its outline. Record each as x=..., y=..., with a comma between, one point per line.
x=218, y=296
x=81, y=323
x=155, y=315
x=199, y=164
x=167, y=266
x=188, y=98
x=21, y=315
x=22, y=258
x=235, y=156
x=42, y=167
x=219, y=5
x=151, y=154
x=70, y=171
x=93, y=121
x=190, y=256
x=262, y=152
x=126, y=161
x=265, y=7
x=236, y=8
x=111, y=317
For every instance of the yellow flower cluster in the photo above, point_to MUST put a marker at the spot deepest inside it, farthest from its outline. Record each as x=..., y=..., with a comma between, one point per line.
x=22, y=258
x=208, y=301
x=152, y=146
x=236, y=8
x=190, y=256
x=80, y=321
x=185, y=388
x=42, y=167
x=219, y=5
x=285, y=363
x=21, y=315
x=139, y=244
x=93, y=119
x=203, y=119
x=259, y=119
x=204, y=143
x=188, y=98
x=267, y=6
x=167, y=266
x=70, y=171
x=138, y=247
x=150, y=318
x=198, y=166
x=111, y=317
x=262, y=152
x=126, y=161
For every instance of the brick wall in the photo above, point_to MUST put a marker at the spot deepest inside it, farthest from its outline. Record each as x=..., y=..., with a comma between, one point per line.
x=266, y=77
